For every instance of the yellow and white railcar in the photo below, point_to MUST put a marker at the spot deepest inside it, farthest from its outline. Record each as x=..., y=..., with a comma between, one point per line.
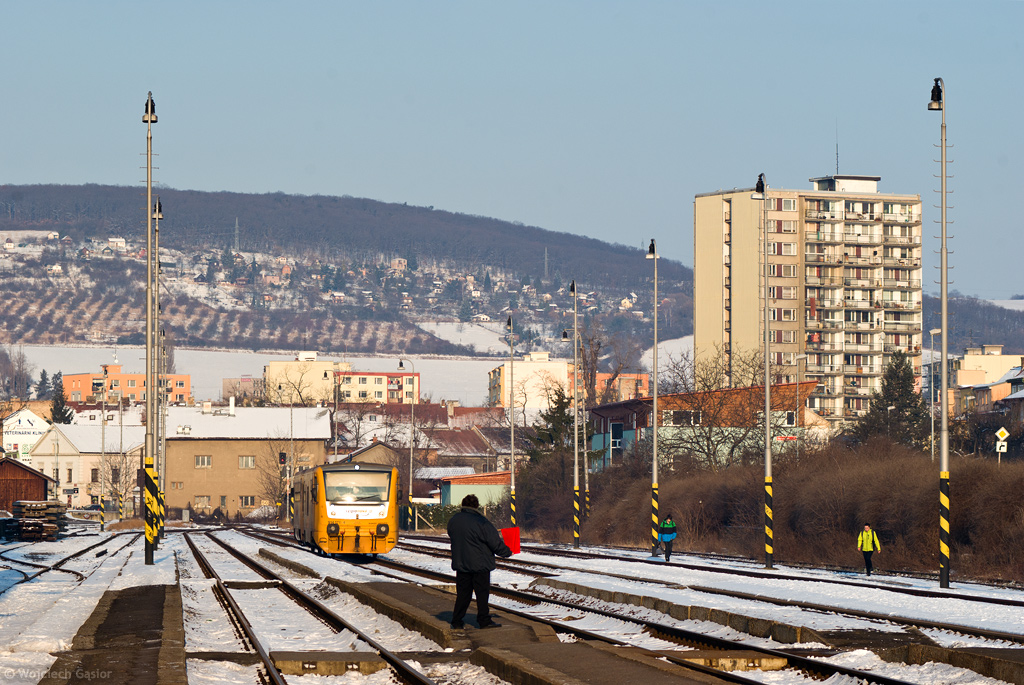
x=347, y=508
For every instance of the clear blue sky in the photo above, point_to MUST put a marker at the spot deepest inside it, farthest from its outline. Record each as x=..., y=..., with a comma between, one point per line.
x=596, y=118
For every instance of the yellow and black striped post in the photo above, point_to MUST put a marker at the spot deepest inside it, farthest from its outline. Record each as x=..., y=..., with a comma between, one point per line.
x=120, y=507
x=291, y=505
x=163, y=513
x=769, y=537
x=102, y=516
x=576, y=516
x=513, y=503
x=586, y=511
x=654, y=519
x=151, y=511
x=944, y=529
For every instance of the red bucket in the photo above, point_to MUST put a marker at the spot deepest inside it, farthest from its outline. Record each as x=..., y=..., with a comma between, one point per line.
x=511, y=538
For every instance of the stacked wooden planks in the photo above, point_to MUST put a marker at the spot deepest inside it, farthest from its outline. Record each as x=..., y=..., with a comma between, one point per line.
x=38, y=520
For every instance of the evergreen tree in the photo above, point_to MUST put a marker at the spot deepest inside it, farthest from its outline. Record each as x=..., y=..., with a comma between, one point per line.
x=43, y=386
x=488, y=286
x=60, y=412
x=211, y=271
x=465, y=311
x=411, y=263
x=897, y=410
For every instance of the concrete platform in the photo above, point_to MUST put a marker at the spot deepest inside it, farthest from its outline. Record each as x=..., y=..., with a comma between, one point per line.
x=520, y=651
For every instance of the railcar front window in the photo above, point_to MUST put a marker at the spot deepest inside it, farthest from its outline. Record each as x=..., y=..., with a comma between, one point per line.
x=348, y=487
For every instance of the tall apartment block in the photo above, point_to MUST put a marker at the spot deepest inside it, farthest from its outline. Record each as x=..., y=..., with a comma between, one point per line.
x=844, y=284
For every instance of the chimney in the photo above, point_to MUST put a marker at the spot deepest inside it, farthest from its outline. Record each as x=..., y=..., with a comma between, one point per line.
x=231, y=406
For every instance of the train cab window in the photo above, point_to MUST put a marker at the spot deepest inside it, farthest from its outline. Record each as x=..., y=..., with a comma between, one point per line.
x=313, y=491
x=357, y=486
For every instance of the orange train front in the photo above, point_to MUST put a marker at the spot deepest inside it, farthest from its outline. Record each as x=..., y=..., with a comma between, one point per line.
x=347, y=508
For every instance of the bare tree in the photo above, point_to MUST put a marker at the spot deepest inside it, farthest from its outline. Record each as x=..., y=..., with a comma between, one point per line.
x=714, y=425
x=601, y=353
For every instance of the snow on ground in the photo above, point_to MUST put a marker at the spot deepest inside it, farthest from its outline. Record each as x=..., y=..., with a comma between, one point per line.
x=1016, y=305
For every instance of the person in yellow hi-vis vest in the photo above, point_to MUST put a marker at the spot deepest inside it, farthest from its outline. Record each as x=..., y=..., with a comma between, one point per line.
x=867, y=542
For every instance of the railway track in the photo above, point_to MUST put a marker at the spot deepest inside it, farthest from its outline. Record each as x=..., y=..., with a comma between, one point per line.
x=403, y=670
x=641, y=631
x=39, y=569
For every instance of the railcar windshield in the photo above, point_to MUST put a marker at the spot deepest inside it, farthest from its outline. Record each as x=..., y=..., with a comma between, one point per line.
x=356, y=486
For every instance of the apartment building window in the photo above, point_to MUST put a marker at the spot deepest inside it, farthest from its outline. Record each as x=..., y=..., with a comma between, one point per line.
x=116, y=383
x=202, y=501
x=789, y=204
x=179, y=384
x=363, y=394
x=378, y=380
x=782, y=292
x=783, y=314
x=379, y=394
x=779, y=226
x=347, y=394
x=247, y=462
x=782, y=270
x=223, y=500
x=362, y=380
x=785, y=249
x=131, y=382
x=346, y=380
x=782, y=336
x=680, y=418
x=783, y=358
x=177, y=485
x=204, y=461
x=248, y=500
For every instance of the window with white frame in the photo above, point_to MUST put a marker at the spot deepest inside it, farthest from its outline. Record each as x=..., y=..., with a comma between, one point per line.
x=246, y=461
x=378, y=380
x=248, y=500
x=378, y=394
x=362, y=380
x=202, y=501
x=204, y=461
x=363, y=394
x=782, y=314
x=789, y=204
x=785, y=249
x=779, y=292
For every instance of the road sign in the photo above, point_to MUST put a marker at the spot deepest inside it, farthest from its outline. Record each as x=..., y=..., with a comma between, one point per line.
x=1002, y=434
x=1001, y=446
x=783, y=438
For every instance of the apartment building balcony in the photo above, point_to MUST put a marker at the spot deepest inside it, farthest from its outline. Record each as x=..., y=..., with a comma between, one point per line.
x=909, y=284
x=862, y=282
x=862, y=260
x=823, y=237
x=889, y=348
x=891, y=239
x=904, y=306
x=861, y=325
x=902, y=326
x=815, y=258
x=863, y=216
x=825, y=369
x=823, y=215
x=727, y=236
x=827, y=303
x=862, y=347
x=862, y=369
x=908, y=262
x=902, y=218
x=833, y=281
x=862, y=238
x=857, y=391
x=825, y=325
x=727, y=216
x=855, y=413
x=859, y=304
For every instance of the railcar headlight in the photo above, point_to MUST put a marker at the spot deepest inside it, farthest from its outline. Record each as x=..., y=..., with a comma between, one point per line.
x=333, y=528
x=382, y=529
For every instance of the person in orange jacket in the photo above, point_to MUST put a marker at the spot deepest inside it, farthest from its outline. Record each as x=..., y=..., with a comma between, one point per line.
x=867, y=542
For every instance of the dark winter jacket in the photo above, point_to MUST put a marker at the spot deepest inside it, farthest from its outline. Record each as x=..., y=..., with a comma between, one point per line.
x=475, y=541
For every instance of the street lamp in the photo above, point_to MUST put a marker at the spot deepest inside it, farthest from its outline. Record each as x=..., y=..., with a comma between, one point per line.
x=937, y=102
x=931, y=386
x=652, y=253
x=412, y=426
x=512, y=416
x=761, y=193
x=888, y=419
x=149, y=118
x=575, y=418
x=334, y=418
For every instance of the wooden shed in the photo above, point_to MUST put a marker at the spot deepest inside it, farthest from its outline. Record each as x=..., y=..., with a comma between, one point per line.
x=19, y=481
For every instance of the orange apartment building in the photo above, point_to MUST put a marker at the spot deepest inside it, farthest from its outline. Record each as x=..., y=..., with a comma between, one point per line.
x=89, y=387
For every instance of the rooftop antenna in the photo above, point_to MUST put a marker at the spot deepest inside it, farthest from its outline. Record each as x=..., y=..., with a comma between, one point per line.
x=545, y=263
x=236, y=234
x=837, y=146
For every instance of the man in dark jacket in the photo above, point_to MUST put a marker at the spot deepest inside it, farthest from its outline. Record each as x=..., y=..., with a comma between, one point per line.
x=475, y=541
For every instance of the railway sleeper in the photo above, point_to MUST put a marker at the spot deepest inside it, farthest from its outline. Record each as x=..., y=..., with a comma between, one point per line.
x=327, y=663
x=1001, y=663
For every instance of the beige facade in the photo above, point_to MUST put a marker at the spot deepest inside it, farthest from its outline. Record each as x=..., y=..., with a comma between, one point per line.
x=230, y=458
x=532, y=379
x=307, y=380
x=844, y=284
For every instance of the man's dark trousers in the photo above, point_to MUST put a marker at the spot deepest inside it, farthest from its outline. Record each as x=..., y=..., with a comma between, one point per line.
x=867, y=560
x=466, y=585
